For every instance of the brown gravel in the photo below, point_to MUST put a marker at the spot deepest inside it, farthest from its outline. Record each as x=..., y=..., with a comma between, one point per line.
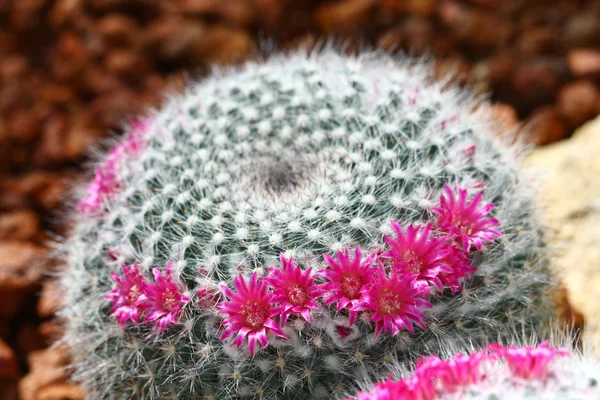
x=71, y=71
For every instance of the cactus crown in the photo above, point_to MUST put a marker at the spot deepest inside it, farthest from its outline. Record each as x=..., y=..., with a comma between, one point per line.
x=280, y=230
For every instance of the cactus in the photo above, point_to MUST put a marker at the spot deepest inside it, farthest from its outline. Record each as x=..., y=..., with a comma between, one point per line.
x=280, y=230
x=498, y=372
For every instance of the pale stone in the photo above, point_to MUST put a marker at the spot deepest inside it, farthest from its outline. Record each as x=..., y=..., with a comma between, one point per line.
x=569, y=196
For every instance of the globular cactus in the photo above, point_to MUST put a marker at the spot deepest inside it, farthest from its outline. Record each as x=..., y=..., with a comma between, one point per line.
x=282, y=229
x=497, y=373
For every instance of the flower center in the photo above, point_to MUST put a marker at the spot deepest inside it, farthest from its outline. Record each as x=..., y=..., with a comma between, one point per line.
x=169, y=299
x=389, y=302
x=465, y=226
x=297, y=295
x=255, y=314
x=412, y=262
x=351, y=286
x=134, y=293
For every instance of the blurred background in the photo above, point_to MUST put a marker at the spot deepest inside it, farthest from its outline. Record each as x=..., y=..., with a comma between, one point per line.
x=73, y=71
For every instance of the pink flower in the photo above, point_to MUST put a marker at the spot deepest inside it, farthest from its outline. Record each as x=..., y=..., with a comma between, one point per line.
x=394, y=301
x=459, y=263
x=127, y=297
x=134, y=142
x=434, y=377
x=165, y=299
x=346, y=279
x=416, y=252
x=528, y=362
x=250, y=313
x=104, y=184
x=411, y=388
x=293, y=288
x=466, y=221
x=451, y=375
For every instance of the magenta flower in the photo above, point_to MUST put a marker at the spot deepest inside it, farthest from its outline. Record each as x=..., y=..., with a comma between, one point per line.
x=127, y=297
x=467, y=222
x=451, y=375
x=134, y=142
x=394, y=390
x=459, y=263
x=433, y=377
x=346, y=279
x=528, y=362
x=394, y=301
x=250, y=313
x=104, y=184
x=293, y=288
x=410, y=388
x=388, y=390
x=165, y=299
x=416, y=252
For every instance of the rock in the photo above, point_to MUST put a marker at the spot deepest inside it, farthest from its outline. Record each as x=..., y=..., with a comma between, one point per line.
x=29, y=339
x=582, y=30
x=175, y=39
x=494, y=74
x=9, y=390
x=344, y=17
x=118, y=29
x=14, y=67
x=46, y=369
x=50, y=299
x=478, y=29
x=456, y=67
x=50, y=149
x=69, y=57
x=56, y=94
x=227, y=46
x=109, y=110
x=62, y=391
x=421, y=8
x=127, y=64
x=21, y=270
x=537, y=40
x=565, y=310
x=51, y=331
x=506, y=116
x=544, y=126
x=64, y=11
x=23, y=126
x=4, y=327
x=569, y=199
x=584, y=63
x=578, y=102
x=8, y=362
x=20, y=225
x=79, y=141
x=96, y=80
x=36, y=189
x=536, y=82
x=415, y=35
x=239, y=13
